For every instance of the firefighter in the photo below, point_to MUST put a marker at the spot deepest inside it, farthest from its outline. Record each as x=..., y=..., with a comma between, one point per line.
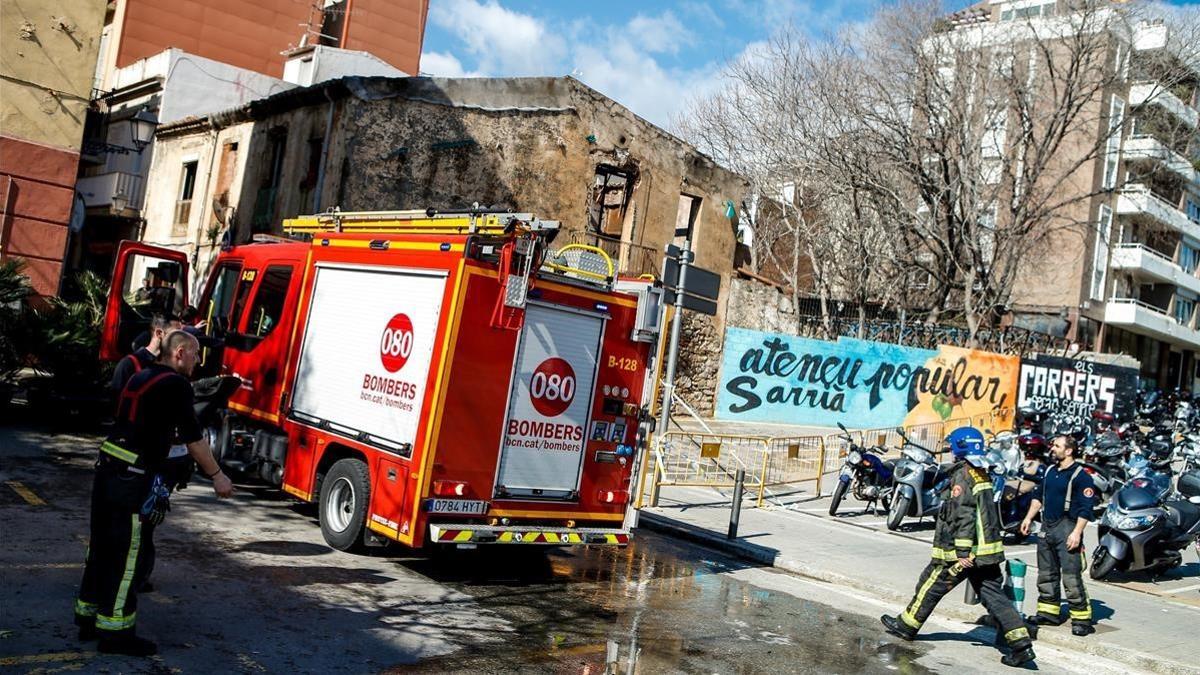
x=180, y=465
x=966, y=545
x=129, y=498
x=143, y=356
x=1066, y=499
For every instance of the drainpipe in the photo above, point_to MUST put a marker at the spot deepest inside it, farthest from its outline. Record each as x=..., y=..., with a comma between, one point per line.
x=325, y=143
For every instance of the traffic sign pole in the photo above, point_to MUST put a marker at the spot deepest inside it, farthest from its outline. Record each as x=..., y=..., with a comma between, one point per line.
x=685, y=259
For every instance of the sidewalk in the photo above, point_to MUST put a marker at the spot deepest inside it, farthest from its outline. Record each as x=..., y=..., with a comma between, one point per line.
x=1144, y=631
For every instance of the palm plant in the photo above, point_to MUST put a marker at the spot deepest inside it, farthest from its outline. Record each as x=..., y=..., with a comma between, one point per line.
x=14, y=293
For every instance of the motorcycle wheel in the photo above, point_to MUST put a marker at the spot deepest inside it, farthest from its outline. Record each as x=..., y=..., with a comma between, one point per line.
x=838, y=493
x=897, y=512
x=1102, y=563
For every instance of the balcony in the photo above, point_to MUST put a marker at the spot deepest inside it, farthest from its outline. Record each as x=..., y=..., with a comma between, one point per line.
x=631, y=259
x=1153, y=92
x=1144, y=319
x=1143, y=146
x=1147, y=264
x=116, y=190
x=1136, y=200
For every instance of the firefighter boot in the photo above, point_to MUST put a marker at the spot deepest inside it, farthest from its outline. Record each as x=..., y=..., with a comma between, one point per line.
x=1082, y=629
x=1018, y=658
x=898, y=628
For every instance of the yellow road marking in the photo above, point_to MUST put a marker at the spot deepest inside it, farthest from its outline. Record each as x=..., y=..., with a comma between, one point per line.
x=25, y=493
x=44, y=658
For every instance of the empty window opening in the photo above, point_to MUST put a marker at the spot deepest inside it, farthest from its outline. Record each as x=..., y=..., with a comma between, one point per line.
x=608, y=200
x=187, y=187
x=686, y=217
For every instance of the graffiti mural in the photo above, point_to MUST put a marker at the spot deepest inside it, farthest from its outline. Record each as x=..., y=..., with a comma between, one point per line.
x=784, y=379
x=1076, y=387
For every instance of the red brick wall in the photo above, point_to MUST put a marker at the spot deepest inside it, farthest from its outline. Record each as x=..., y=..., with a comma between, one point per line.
x=37, y=189
x=251, y=34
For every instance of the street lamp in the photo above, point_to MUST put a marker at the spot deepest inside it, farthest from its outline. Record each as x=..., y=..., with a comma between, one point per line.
x=142, y=127
x=119, y=201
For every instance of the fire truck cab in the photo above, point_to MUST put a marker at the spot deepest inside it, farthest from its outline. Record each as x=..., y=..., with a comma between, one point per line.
x=443, y=378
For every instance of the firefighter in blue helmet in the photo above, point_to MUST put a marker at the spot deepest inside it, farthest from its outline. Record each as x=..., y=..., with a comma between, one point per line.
x=966, y=545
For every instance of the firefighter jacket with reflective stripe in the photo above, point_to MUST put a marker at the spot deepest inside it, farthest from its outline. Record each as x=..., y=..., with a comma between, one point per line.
x=968, y=523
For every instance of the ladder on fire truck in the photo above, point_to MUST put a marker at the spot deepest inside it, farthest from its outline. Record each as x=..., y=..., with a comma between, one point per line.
x=523, y=254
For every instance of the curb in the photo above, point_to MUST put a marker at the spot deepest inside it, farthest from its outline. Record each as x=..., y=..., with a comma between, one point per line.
x=771, y=558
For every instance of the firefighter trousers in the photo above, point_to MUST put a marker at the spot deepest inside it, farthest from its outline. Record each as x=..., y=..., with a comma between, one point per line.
x=1059, y=569
x=119, y=553
x=939, y=578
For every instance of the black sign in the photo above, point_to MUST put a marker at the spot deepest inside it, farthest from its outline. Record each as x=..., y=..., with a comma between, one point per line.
x=700, y=282
x=1076, y=387
x=702, y=305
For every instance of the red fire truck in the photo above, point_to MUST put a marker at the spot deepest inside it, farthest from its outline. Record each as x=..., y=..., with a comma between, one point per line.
x=442, y=378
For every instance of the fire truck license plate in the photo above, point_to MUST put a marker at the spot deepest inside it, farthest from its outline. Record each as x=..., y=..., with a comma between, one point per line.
x=466, y=507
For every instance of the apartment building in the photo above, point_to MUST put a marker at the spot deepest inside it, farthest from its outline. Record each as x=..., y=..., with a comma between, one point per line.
x=162, y=63
x=258, y=35
x=1124, y=275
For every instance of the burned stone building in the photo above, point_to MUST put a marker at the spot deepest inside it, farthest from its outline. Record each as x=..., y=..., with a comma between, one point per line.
x=550, y=146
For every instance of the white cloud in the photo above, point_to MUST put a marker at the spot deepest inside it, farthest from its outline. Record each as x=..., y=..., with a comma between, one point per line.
x=505, y=42
x=441, y=64
x=655, y=34
x=620, y=61
x=702, y=11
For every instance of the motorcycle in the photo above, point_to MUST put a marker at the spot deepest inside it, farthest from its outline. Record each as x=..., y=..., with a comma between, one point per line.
x=1016, y=475
x=919, y=482
x=1139, y=531
x=864, y=475
x=1104, y=460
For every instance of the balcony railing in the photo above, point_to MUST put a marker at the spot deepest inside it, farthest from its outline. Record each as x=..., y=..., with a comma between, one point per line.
x=1143, y=249
x=1146, y=146
x=1154, y=265
x=631, y=259
x=1135, y=199
x=1154, y=92
x=115, y=189
x=1144, y=305
x=1146, y=319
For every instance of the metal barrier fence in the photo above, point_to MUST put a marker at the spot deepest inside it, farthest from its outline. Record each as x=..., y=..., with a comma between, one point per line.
x=708, y=460
x=683, y=458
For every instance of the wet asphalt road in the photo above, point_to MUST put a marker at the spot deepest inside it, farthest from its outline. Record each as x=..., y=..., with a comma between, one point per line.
x=248, y=586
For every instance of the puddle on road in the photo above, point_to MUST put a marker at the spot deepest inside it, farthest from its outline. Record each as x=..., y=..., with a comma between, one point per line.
x=650, y=608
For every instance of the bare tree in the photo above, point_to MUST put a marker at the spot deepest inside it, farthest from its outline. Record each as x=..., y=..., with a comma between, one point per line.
x=970, y=144
x=809, y=231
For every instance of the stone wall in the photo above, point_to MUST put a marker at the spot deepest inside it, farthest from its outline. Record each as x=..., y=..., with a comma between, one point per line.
x=758, y=306
x=750, y=304
x=699, y=363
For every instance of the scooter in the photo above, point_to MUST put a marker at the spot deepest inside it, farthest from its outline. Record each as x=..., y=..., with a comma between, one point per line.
x=864, y=475
x=1104, y=461
x=919, y=482
x=1140, y=532
x=1016, y=476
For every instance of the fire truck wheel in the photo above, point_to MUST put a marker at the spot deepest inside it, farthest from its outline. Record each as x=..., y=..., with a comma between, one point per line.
x=345, y=493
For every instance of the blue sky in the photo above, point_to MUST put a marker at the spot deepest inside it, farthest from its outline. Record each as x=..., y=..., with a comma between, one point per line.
x=650, y=55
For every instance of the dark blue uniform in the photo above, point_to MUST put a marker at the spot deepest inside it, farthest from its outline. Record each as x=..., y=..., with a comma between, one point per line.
x=1053, y=495
x=1066, y=495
